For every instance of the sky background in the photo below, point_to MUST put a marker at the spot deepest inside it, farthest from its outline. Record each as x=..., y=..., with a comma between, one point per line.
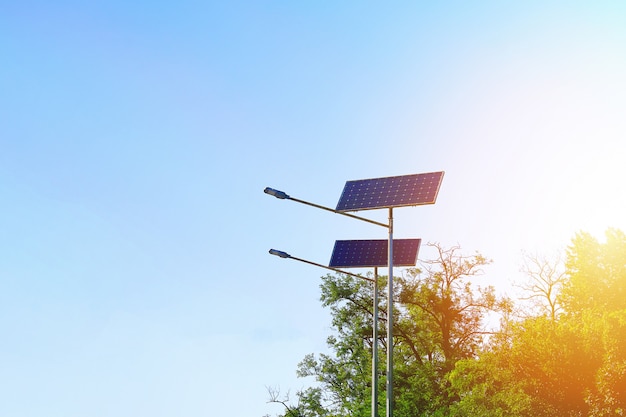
x=136, y=139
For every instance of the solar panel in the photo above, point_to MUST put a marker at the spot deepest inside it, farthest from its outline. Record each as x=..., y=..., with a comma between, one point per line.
x=372, y=253
x=405, y=190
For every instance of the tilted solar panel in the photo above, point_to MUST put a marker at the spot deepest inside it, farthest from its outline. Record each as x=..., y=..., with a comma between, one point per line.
x=405, y=190
x=373, y=253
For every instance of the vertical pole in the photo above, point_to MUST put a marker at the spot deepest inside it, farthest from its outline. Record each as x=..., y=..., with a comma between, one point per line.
x=375, y=348
x=390, y=320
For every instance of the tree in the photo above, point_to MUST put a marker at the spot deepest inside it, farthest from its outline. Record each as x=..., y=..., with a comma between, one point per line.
x=546, y=277
x=345, y=376
x=556, y=363
x=309, y=405
x=609, y=396
x=444, y=311
x=596, y=273
x=438, y=320
x=566, y=359
x=487, y=387
x=573, y=363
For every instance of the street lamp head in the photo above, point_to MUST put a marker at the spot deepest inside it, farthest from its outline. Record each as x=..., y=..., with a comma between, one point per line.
x=278, y=194
x=279, y=253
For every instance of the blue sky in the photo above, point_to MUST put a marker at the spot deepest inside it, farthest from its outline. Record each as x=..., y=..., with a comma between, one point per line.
x=136, y=140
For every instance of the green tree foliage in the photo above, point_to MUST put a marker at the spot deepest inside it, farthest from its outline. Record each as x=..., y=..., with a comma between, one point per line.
x=488, y=387
x=597, y=273
x=609, y=396
x=345, y=376
x=443, y=310
x=574, y=364
x=555, y=363
x=565, y=359
x=437, y=321
x=441, y=323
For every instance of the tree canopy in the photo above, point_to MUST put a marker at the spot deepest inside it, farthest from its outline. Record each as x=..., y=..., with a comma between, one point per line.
x=565, y=356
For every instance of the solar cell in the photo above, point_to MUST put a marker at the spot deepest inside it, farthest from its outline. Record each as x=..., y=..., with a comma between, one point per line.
x=373, y=253
x=400, y=191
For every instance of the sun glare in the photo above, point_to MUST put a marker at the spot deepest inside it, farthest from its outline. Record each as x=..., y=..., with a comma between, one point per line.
x=589, y=194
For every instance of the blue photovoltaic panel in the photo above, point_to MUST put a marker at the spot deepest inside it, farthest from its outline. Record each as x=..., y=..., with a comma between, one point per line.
x=406, y=190
x=371, y=253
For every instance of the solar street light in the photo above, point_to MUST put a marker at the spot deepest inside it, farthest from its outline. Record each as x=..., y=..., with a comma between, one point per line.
x=390, y=192
x=378, y=193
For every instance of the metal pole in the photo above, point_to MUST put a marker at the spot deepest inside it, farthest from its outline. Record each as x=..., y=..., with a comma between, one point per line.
x=390, y=320
x=330, y=268
x=375, y=348
x=335, y=211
